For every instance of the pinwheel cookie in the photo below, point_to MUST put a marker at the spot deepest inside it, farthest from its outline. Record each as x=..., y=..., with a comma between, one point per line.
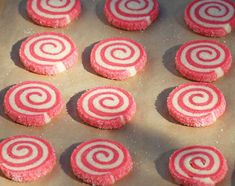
x=214, y=18
x=196, y=104
x=118, y=58
x=48, y=53
x=26, y=158
x=203, y=60
x=55, y=13
x=101, y=162
x=106, y=107
x=131, y=14
x=198, y=166
x=33, y=103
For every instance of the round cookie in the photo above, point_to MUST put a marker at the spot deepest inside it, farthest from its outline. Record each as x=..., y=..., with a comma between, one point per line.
x=106, y=107
x=198, y=165
x=130, y=14
x=101, y=162
x=54, y=13
x=26, y=158
x=196, y=104
x=48, y=53
x=214, y=18
x=203, y=60
x=33, y=103
x=118, y=58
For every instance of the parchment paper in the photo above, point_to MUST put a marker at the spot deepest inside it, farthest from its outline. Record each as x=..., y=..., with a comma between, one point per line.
x=152, y=135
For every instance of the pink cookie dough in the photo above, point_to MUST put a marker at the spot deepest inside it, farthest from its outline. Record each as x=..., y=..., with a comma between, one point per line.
x=106, y=107
x=101, y=162
x=53, y=13
x=33, y=103
x=196, y=104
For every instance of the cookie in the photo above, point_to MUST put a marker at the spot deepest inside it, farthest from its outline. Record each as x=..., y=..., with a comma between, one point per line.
x=101, y=162
x=33, y=103
x=106, y=107
x=214, y=18
x=198, y=165
x=26, y=158
x=203, y=60
x=196, y=104
x=118, y=58
x=48, y=53
x=54, y=13
x=130, y=14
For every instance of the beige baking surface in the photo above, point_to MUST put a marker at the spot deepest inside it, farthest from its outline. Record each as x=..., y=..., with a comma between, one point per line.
x=152, y=135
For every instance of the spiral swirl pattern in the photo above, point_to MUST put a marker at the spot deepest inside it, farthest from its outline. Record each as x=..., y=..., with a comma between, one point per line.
x=54, y=9
x=203, y=57
x=118, y=54
x=202, y=163
x=196, y=100
x=132, y=10
x=106, y=103
x=47, y=49
x=33, y=98
x=212, y=14
x=23, y=153
x=100, y=157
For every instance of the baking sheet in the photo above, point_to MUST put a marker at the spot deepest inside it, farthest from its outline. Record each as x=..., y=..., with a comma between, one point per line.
x=152, y=135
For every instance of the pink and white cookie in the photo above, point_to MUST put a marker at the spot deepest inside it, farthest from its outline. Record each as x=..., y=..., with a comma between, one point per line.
x=214, y=18
x=118, y=58
x=198, y=166
x=48, y=53
x=56, y=13
x=131, y=14
x=203, y=60
x=106, y=107
x=196, y=104
x=26, y=158
x=33, y=103
x=101, y=162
